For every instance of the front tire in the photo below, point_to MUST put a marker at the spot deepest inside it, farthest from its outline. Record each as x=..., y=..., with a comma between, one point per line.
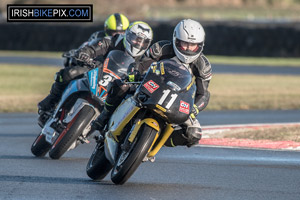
x=128, y=162
x=40, y=146
x=72, y=132
x=98, y=166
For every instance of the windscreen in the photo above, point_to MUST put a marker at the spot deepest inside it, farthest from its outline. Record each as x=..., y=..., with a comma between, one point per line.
x=117, y=62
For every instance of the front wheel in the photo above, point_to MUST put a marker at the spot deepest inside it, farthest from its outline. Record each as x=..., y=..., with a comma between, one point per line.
x=98, y=166
x=71, y=133
x=129, y=160
x=40, y=146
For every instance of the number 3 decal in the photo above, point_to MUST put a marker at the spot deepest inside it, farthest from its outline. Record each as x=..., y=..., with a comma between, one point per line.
x=165, y=95
x=105, y=81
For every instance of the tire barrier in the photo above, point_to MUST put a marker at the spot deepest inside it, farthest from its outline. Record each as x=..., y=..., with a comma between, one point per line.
x=269, y=39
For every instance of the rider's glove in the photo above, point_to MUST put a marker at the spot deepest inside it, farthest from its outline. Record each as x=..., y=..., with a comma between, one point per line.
x=83, y=56
x=134, y=76
x=195, y=111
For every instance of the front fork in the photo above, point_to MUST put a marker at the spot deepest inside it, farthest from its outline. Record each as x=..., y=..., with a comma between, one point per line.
x=51, y=134
x=165, y=135
x=153, y=150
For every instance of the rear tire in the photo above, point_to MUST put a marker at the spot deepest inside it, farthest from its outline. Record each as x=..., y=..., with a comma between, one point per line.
x=40, y=146
x=98, y=166
x=138, y=150
x=72, y=132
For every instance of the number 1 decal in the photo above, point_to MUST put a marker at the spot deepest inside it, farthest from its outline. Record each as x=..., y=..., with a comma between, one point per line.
x=165, y=95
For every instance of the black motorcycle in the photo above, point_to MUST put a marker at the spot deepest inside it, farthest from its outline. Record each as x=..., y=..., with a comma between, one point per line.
x=142, y=123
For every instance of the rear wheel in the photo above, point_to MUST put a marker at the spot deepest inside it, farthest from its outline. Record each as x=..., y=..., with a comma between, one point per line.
x=40, y=146
x=130, y=158
x=98, y=166
x=71, y=133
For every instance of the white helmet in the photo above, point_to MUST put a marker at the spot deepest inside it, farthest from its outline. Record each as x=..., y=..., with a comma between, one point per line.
x=188, y=40
x=138, y=37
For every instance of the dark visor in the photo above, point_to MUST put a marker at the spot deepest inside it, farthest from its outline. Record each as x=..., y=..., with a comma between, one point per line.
x=187, y=51
x=113, y=32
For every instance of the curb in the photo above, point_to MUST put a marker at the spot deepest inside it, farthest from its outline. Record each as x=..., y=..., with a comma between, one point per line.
x=208, y=140
x=247, y=143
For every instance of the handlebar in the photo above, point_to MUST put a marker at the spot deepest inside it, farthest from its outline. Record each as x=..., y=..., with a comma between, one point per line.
x=71, y=54
x=91, y=63
x=139, y=82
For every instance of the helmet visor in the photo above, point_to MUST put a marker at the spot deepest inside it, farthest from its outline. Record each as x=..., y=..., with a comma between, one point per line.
x=137, y=42
x=187, y=48
x=114, y=32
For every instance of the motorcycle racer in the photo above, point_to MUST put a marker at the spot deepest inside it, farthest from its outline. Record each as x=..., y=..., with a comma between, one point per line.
x=135, y=42
x=116, y=23
x=186, y=48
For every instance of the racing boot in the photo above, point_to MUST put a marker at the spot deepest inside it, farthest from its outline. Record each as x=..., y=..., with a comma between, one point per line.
x=116, y=92
x=47, y=105
x=188, y=136
x=102, y=119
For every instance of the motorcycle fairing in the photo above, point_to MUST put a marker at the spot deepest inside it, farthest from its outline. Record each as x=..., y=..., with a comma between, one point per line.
x=93, y=81
x=122, y=115
x=164, y=95
x=74, y=87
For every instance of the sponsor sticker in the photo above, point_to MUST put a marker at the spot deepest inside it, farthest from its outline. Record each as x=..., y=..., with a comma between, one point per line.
x=184, y=107
x=174, y=85
x=151, y=86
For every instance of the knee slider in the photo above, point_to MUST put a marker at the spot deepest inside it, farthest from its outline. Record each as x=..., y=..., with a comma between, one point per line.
x=193, y=134
x=70, y=73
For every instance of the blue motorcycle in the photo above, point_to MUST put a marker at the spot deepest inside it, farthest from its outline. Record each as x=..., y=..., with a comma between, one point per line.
x=82, y=101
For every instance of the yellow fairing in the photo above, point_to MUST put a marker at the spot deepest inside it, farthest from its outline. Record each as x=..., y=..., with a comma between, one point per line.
x=190, y=85
x=150, y=122
x=166, y=134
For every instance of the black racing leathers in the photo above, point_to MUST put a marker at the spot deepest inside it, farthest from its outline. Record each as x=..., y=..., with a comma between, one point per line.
x=189, y=133
x=97, y=36
x=99, y=47
x=201, y=69
x=70, y=61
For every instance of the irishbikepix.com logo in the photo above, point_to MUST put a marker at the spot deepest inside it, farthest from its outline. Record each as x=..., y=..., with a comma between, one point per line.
x=49, y=13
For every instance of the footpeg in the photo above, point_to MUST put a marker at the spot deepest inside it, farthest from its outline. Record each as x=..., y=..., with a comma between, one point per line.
x=151, y=159
x=83, y=140
x=99, y=138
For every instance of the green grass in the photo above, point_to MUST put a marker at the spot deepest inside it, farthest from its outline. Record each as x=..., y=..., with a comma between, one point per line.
x=245, y=92
x=46, y=54
x=22, y=87
x=259, y=61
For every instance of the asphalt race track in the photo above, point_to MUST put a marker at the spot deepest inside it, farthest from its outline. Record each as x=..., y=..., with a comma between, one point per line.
x=199, y=172
x=178, y=173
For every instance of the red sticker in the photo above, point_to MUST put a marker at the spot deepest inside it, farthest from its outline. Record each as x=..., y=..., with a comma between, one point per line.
x=184, y=107
x=151, y=86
